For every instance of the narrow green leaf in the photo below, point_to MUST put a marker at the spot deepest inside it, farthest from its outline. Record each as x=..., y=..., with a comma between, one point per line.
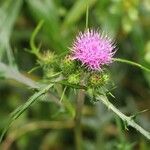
x=62, y=96
x=17, y=112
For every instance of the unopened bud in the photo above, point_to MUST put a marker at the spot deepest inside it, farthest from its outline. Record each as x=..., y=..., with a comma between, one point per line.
x=68, y=65
x=97, y=80
x=47, y=58
x=74, y=78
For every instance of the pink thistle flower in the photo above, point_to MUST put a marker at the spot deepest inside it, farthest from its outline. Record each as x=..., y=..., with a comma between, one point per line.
x=93, y=49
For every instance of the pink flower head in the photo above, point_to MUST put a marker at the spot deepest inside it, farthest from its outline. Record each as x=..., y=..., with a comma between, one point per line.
x=93, y=49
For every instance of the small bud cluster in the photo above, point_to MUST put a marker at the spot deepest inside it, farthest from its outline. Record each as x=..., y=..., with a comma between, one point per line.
x=76, y=74
x=85, y=65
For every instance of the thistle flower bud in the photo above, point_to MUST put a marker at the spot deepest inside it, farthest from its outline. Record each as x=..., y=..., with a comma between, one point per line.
x=97, y=80
x=74, y=78
x=68, y=65
x=47, y=58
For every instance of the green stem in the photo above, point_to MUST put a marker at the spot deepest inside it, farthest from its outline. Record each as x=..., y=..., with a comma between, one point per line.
x=128, y=120
x=87, y=16
x=77, y=130
x=131, y=63
x=34, y=49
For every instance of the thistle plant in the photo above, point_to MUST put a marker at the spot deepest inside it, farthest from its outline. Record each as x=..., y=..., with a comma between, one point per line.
x=85, y=68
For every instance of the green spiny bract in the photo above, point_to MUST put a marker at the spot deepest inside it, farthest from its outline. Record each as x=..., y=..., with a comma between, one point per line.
x=47, y=58
x=49, y=63
x=68, y=66
x=74, y=78
x=97, y=80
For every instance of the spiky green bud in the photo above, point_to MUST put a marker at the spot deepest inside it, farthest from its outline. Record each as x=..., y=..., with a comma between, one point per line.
x=68, y=66
x=47, y=58
x=98, y=79
x=74, y=78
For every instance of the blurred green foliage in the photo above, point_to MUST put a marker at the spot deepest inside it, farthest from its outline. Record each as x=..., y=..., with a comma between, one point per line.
x=46, y=125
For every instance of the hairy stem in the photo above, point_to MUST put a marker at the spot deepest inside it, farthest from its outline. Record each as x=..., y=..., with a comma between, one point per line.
x=77, y=130
x=128, y=120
